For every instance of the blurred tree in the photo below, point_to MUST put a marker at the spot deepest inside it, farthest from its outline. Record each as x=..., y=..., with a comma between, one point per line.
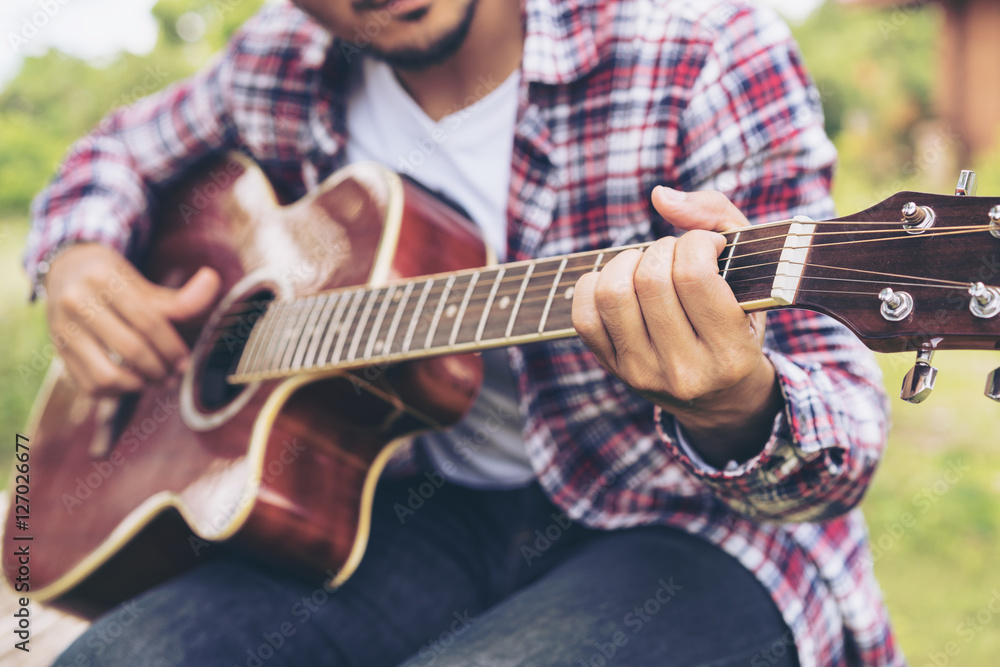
x=875, y=71
x=57, y=98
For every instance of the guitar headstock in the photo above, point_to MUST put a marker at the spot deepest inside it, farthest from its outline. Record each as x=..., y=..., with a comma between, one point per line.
x=916, y=272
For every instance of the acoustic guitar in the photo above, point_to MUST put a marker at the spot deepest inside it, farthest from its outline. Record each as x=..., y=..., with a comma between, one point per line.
x=349, y=322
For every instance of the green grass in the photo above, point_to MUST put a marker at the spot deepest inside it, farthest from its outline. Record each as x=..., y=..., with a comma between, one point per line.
x=22, y=333
x=935, y=572
x=943, y=568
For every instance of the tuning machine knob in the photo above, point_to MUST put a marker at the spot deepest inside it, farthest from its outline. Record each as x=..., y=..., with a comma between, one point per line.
x=993, y=385
x=919, y=382
x=995, y=221
x=985, y=301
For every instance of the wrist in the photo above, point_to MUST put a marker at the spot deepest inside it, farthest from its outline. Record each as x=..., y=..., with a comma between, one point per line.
x=734, y=424
x=44, y=268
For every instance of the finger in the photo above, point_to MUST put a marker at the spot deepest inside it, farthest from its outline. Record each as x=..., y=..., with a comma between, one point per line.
x=114, y=333
x=667, y=324
x=93, y=371
x=155, y=328
x=709, y=210
x=705, y=296
x=587, y=321
x=193, y=298
x=618, y=305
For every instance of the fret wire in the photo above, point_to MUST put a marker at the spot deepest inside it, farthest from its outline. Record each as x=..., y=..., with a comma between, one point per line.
x=298, y=328
x=517, y=302
x=345, y=326
x=386, y=301
x=438, y=311
x=732, y=251
x=597, y=263
x=287, y=333
x=338, y=315
x=359, y=328
x=489, y=303
x=398, y=317
x=279, y=335
x=256, y=335
x=272, y=332
x=552, y=293
x=262, y=326
x=291, y=330
x=310, y=330
x=416, y=314
x=461, y=309
x=320, y=327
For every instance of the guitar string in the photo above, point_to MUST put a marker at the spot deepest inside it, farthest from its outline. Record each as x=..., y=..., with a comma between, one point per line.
x=479, y=308
x=271, y=370
x=476, y=306
x=297, y=307
x=435, y=292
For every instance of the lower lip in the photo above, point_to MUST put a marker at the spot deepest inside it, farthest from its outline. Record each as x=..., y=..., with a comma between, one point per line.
x=398, y=7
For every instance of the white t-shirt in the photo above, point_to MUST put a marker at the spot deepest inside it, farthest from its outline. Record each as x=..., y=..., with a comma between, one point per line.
x=466, y=156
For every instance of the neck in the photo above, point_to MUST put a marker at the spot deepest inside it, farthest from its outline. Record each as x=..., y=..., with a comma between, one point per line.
x=471, y=310
x=490, y=54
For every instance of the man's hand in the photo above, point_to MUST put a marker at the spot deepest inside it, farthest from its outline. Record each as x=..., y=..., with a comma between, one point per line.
x=112, y=326
x=667, y=324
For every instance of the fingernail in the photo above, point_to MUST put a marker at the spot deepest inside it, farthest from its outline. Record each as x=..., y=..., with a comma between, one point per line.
x=670, y=194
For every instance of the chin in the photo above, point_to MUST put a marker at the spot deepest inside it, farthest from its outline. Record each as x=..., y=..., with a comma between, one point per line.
x=412, y=34
x=425, y=36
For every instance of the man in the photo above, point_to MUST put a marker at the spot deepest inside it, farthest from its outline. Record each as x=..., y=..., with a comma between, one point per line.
x=710, y=463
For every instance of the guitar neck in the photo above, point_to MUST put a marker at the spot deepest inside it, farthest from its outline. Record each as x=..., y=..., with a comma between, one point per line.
x=471, y=310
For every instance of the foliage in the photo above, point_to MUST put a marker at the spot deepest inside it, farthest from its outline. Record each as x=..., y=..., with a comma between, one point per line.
x=56, y=98
x=875, y=71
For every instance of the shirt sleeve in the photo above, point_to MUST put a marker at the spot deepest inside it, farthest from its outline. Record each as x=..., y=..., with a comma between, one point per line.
x=754, y=129
x=104, y=188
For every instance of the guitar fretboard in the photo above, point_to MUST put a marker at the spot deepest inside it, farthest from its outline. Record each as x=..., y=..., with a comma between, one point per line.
x=460, y=311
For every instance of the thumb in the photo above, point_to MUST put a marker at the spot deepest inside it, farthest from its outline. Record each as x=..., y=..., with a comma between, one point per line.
x=191, y=299
x=709, y=210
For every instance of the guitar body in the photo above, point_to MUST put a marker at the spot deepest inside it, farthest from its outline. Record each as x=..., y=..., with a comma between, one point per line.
x=125, y=493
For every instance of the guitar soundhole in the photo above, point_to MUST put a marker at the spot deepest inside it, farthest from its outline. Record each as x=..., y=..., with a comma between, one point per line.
x=231, y=335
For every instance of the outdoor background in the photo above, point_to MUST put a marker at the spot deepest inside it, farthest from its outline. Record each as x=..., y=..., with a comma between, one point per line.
x=937, y=542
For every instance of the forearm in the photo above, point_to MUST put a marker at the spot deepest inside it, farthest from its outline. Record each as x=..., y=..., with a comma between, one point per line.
x=103, y=191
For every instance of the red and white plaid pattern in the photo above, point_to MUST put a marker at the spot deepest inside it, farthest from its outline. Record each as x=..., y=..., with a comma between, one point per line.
x=616, y=97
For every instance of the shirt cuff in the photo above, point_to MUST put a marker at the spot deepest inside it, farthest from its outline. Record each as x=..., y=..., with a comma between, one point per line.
x=673, y=434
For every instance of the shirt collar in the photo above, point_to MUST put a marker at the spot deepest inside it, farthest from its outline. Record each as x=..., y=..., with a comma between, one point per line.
x=560, y=39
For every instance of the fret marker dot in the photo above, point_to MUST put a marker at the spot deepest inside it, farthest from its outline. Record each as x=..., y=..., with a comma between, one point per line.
x=451, y=311
x=504, y=302
x=570, y=291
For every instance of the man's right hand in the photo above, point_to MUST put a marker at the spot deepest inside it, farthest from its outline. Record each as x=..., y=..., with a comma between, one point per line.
x=113, y=327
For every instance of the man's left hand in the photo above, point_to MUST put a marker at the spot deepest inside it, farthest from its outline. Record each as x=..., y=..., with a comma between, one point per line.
x=667, y=324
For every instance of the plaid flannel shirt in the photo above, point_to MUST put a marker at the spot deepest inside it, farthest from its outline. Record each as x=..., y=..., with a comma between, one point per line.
x=616, y=97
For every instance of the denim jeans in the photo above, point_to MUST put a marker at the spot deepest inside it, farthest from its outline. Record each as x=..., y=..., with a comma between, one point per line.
x=462, y=577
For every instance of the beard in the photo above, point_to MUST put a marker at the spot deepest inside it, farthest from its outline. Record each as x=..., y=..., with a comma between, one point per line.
x=439, y=50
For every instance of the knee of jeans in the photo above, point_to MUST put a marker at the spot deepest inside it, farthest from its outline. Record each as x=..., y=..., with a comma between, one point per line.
x=120, y=638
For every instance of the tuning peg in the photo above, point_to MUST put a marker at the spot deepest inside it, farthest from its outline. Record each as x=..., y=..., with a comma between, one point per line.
x=993, y=385
x=919, y=382
x=967, y=183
